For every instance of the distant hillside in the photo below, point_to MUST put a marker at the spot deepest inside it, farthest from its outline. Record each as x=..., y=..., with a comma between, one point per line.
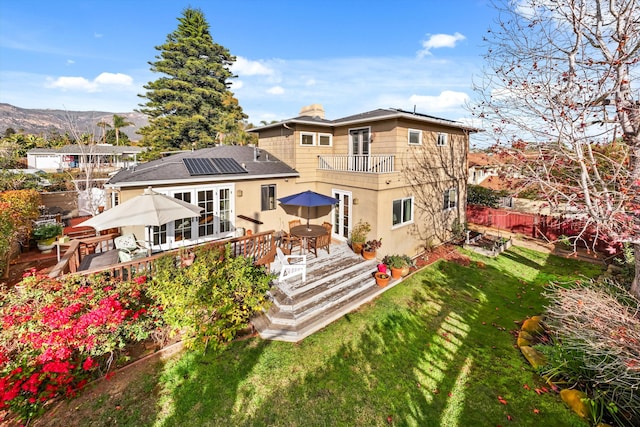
x=34, y=121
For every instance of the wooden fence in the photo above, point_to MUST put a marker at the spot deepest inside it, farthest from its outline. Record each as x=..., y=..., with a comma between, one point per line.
x=544, y=227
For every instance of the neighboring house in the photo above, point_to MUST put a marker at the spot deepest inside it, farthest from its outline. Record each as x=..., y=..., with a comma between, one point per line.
x=105, y=157
x=402, y=172
x=236, y=185
x=481, y=166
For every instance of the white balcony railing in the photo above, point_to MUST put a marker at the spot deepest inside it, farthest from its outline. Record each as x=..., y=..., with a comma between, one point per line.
x=364, y=164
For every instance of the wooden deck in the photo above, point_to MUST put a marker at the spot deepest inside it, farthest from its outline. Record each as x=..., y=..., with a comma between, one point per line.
x=336, y=284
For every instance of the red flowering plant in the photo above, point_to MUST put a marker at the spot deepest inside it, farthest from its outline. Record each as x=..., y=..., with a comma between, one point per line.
x=58, y=334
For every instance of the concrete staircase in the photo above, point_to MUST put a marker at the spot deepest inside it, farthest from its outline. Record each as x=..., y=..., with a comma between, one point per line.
x=336, y=285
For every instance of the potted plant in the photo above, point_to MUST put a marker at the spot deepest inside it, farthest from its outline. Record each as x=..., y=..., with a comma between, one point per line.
x=45, y=236
x=359, y=234
x=382, y=279
x=399, y=265
x=370, y=247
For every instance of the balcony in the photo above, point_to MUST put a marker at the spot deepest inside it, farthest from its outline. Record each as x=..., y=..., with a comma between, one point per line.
x=374, y=164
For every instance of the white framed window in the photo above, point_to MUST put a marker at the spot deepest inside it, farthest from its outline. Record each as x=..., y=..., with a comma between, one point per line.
x=442, y=139
x=415, y=137
x=307, y=138
x=402, y=211
x=449, y=199
x=325, y=139
x=268, y=197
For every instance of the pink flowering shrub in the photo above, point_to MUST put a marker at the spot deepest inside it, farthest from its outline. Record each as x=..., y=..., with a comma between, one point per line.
x=57, y=335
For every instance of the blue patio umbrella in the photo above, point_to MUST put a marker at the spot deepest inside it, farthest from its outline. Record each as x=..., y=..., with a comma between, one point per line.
x=309, y=199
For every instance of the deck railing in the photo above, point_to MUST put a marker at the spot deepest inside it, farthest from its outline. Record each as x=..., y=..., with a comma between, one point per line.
x=260, y=246
x=364, y=164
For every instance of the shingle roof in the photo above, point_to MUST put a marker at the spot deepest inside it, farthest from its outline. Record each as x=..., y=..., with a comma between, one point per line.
x=257, y=163
x=89, y=149
x=379, y=114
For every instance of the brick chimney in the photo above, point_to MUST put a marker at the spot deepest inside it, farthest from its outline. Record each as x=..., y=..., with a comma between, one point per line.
x=313, y=110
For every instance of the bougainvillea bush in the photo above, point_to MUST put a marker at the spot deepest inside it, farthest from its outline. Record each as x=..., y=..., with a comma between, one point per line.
x=58, y=334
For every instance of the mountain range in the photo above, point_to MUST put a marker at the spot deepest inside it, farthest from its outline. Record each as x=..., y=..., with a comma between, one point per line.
x=45, y=121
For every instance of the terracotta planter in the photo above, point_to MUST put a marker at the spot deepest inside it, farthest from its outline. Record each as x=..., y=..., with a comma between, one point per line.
x=382, y=279
x=187, y=260
x=368, y=254
x=396, y=273
x=357, y=247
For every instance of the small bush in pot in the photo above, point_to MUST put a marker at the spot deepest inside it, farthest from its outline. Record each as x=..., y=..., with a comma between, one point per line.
x=44, y=232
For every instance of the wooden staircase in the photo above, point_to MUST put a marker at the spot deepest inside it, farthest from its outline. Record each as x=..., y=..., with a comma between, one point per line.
x=336, y=284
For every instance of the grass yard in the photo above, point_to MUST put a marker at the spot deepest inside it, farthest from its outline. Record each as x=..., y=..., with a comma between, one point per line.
x=437, y=350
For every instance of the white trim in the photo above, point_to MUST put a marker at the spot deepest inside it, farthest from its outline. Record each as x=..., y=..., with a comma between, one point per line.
x=413, y=212
x=313, y=139
x=442, y=139
x=320, y=135
x=409, y=131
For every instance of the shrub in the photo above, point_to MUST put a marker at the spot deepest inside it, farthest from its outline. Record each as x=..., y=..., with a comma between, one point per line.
x=56, y=335
x=596, y=334
x=360, y=231
x=213, y=299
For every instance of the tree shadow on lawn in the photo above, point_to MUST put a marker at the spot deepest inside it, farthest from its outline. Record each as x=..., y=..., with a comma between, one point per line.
x=439, y=352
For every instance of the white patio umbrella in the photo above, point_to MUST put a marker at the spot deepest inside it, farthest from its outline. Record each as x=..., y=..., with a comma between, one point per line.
x=149, y=209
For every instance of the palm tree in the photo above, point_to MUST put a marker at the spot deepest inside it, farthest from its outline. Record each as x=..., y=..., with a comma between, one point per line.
x=119, y=122
x=104, y=125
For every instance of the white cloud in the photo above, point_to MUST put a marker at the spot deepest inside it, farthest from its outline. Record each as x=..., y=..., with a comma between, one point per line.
x=70, y=62
x=97, y=35
x=275, y=90
x=245, y=67
x=72, y=83
x=236, y=84
x=117, y=80
x=436, y=41
x=447, y=100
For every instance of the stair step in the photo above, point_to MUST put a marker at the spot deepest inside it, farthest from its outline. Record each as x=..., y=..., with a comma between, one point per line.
x=336, y=284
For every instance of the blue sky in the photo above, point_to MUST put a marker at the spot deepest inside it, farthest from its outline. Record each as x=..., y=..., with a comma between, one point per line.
x=349, y=56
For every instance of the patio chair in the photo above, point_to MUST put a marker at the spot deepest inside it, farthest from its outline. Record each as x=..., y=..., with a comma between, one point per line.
x=292, y=241
x=321, y=242
x=129, y=248
x=292, y=265
x=288, y=242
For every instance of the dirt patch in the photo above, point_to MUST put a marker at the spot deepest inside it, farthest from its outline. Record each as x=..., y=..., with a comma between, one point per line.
x=447, y=252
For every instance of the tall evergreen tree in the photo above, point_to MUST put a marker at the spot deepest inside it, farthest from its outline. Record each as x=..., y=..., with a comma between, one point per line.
x=191, y=105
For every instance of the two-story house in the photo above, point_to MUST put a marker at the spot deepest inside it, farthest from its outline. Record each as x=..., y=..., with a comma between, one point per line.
x=404, y=173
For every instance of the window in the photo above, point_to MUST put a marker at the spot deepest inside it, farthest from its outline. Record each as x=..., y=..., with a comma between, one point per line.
x=325, y=139
x=442, y=139
x=403, y=211
x=159, y=235
x=182, y=227
x=415, y=137
x=268, y=193
x=449, y=199
x=307, y=138
x=115, y=198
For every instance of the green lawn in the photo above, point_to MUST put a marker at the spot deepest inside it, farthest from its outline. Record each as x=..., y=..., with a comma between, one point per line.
x=437, y=350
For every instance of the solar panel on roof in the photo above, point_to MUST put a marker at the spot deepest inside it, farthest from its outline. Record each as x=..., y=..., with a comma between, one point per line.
x=227, y=165
x=214, y=166
x=199, y=166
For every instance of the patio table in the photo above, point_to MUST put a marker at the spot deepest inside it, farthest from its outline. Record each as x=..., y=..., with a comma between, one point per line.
x=306, y=232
